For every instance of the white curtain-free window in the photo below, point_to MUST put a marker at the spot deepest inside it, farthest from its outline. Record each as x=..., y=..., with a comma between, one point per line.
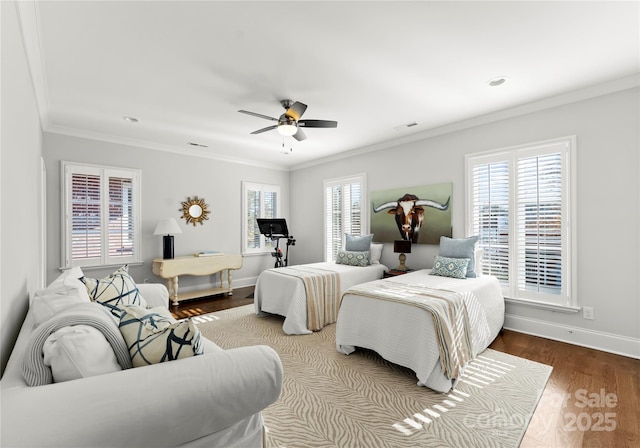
x=344, y=211
x=101, y=215
x=519, y=204
x=259, y=201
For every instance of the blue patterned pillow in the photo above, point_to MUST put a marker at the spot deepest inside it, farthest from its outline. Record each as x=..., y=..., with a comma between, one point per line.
x=353, y=258
x=115, y=291
x=450, y=267
x=153, y=336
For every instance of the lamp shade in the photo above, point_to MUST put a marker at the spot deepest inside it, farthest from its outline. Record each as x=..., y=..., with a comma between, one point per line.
x=402, y=246
x=167, y=226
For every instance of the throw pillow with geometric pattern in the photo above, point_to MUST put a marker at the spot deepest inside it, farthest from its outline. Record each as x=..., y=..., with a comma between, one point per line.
x=115, y=291
x=153, y=336
x=353, y=258
x=450, y=267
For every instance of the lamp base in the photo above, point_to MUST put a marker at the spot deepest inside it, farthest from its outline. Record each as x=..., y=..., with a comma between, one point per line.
x=402, y=258
x=167, y=247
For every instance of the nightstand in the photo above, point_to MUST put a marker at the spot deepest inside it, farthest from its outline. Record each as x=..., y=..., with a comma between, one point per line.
x=394, y=273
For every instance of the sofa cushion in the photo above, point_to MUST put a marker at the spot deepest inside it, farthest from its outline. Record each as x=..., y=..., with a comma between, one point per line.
x=115, y=291
x=63, y=292
x=153, y=336
x=78, y=351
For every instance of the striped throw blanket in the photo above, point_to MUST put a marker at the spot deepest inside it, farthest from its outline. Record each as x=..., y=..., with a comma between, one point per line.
x=449, y=313
x=36, y=373
x=322, y=288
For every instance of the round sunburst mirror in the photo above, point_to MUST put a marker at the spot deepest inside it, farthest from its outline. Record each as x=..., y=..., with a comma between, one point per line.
x=194, y=210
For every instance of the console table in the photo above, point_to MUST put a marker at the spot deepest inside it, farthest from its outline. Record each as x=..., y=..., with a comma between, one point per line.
x=170, y=269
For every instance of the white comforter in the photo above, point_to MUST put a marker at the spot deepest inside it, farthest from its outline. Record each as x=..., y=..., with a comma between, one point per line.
x=405, y=335
x=285, y=295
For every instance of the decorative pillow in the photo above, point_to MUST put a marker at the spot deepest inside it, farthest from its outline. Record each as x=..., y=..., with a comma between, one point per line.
x=153, y=337
x=353, y=258
x=376, y=252
x=460, y=248
x=115, y=291
x=450, y=267
x=357, y=243
x=43, y=307
x=69, y=280
x=78, y=351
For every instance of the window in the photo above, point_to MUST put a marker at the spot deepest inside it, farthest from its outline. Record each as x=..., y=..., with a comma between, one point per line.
x=101, y=219
x=519, y=205
x=260, y=201
x=344, y=211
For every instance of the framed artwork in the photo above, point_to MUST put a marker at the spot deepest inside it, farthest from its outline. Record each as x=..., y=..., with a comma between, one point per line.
x=418, y=214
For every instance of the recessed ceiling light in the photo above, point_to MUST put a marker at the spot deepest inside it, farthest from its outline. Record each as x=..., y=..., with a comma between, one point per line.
x=130, y=119
x=497, y=81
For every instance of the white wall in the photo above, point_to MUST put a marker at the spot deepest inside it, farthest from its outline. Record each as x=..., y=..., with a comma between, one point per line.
x=167, y=180
x=20, y=153
x=608, y=193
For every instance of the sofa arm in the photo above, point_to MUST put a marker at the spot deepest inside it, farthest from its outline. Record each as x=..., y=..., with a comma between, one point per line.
x=155, y=294
x=163, y=405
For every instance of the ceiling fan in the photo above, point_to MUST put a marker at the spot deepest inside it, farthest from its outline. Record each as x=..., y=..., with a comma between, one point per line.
x=289, y=123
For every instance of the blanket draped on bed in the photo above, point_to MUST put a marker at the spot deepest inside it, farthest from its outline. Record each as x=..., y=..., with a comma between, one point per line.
x=323, y=294
x=36, y=373
x=449, y=313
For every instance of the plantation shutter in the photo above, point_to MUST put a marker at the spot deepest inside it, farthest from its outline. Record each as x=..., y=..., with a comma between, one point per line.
x=260, y=201
x=101, y=215
x=253, y=213
x=490, y=215
x=343, y=212
x=539, y=215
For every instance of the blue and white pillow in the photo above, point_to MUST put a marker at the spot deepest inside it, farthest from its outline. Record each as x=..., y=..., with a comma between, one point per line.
x=115, y=291
x=460, y=248
x=153, y=336
x=353, y=258
x=450, y=267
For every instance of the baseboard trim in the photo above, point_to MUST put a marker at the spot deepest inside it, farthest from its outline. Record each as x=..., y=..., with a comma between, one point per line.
x=606, y=342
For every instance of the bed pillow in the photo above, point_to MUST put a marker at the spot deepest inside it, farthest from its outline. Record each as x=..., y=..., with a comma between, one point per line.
x=353, y=258
x=154, y=337
x=357, y=243
x=78, y=351
x=115, y=291
x=450, y=267
x=376, y=252
x=460, y=248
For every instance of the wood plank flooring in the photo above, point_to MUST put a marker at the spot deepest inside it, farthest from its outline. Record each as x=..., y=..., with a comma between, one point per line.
x=591, y=400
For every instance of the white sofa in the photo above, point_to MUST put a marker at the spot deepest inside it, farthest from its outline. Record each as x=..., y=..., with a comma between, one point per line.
x=212, y=400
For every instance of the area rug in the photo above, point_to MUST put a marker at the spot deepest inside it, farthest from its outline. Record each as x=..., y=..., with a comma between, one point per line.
x=333, y=400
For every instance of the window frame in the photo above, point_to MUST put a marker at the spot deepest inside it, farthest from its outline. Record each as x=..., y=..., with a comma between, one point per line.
x=104, y=173
x=360, y=178
x=566, y=301
x=265, y=247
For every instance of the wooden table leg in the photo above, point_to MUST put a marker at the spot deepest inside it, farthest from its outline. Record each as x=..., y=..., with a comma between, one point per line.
x=230, y=292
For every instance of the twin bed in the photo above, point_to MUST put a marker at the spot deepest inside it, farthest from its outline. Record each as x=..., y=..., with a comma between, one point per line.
x=388, y=315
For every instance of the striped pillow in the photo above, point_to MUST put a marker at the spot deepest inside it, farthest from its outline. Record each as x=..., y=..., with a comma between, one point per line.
x=115, y=291
x=153, y=336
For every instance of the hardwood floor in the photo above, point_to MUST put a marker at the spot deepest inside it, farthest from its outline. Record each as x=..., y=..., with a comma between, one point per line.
x=592, y=398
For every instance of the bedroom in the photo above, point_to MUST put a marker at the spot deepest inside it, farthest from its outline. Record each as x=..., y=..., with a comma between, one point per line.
x=604, y=118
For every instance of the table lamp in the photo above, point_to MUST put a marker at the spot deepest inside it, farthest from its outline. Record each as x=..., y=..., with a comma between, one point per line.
x=402, y=247
x=167, y=227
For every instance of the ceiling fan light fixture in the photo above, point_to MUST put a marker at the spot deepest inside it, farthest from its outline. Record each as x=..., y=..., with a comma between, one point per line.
x=287, y=129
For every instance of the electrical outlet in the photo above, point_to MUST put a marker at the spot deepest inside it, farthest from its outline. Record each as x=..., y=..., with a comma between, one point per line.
x=146, y=280
x=587, y=312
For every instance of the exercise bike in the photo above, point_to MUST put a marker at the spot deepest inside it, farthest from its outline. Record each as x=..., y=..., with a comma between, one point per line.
x=275, y=230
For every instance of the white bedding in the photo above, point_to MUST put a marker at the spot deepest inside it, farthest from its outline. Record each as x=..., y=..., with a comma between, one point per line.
x=405, y=335
x=285, y=295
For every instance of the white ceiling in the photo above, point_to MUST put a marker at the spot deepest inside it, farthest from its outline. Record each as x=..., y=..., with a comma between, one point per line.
x=183, y=69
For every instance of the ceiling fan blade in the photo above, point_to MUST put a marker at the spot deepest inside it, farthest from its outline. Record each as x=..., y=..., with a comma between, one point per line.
x=266, y=117
x=268, y=128
x=296, y=110
x=300, y=135
x=318, y=123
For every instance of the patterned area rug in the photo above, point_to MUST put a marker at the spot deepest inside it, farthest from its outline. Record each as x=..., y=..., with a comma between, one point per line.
x=361, y=400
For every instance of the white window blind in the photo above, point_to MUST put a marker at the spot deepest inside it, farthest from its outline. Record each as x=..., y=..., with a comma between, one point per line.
x=344, y=212
x=101, y=215
x=519, y=206
x=260, y=201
